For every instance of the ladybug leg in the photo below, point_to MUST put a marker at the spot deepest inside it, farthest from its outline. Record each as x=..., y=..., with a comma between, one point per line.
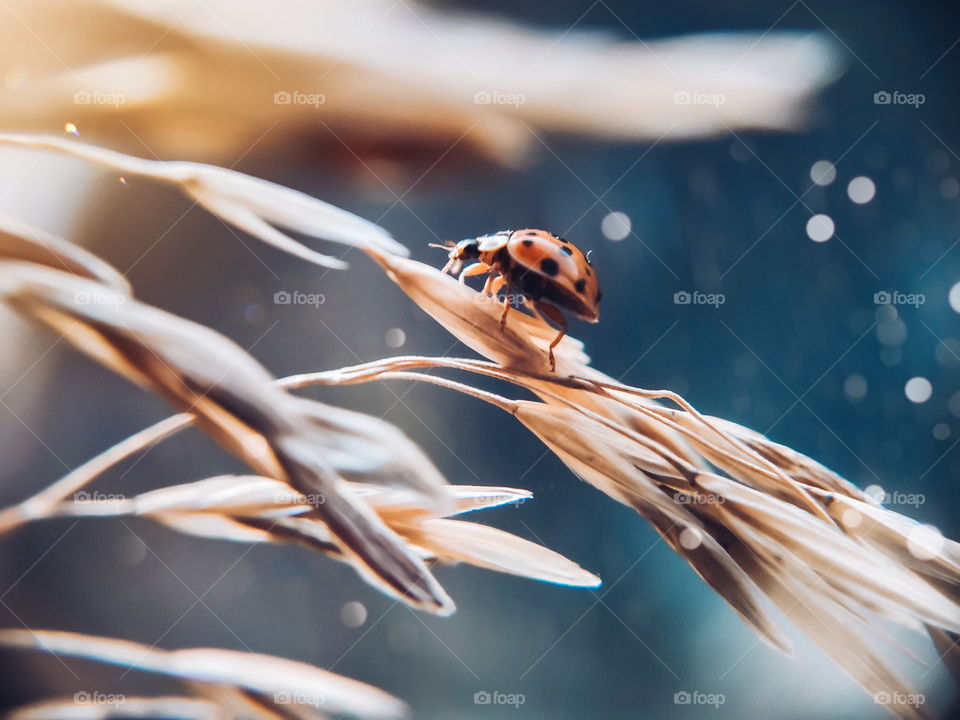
x=506, y=304
x=475, y=269
x=554, y=314
x=494, y=284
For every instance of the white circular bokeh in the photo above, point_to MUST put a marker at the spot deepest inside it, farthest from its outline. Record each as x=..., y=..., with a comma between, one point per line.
x=820, y=228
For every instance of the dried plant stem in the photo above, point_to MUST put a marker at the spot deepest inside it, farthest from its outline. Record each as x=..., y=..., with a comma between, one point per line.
x=380, y=370
x=738, y=456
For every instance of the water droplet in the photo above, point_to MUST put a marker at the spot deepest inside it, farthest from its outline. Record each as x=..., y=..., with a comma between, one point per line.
x=690, y=538
x=941, y=431
x=875, y=493
x=616, y=226
x=925, y=542
x=72, y=129
x=395, y=337
x=891, y=356
x=892, y=332
x=954, y=404
x=855, y=387
x=820, y=228
x=823, y=172
x=918, y=389
x=948, y=353
x=851, y=518
x=131, y=551
x=886, y=312
x=861, y=190
x=353, y=614
x=122, y=179
x=954, y=297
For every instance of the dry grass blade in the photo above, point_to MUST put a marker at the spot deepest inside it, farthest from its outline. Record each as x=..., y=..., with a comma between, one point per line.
x=898, y=537
x=456, y=541
x=258, y=509
x=251, y=204
x=235, y=400
x=22, y=242
x=262, y=679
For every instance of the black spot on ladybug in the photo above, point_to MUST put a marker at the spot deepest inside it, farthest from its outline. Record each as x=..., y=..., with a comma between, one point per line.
x=599, y=295
x=589, y=272
x=549, y=267
x=527, y=243
x=566, y=250
x=563, y=240
x=580, y=285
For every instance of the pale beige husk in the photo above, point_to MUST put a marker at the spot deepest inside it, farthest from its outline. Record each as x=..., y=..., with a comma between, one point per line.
x=259, y=509
x=199, y=80
x=251, y=204
x=241, y=684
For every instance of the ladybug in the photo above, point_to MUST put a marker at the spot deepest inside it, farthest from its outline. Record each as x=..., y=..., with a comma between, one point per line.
x=547, y=271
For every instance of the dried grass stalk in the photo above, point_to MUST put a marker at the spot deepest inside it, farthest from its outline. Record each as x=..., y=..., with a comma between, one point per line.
x=258, y=509
x=251, y=204
x=353, y=64
x=233, y=398
x=243, y=684
x=758, y=521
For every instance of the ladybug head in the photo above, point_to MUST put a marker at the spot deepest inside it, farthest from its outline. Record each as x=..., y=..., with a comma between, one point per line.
x=459, y=252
